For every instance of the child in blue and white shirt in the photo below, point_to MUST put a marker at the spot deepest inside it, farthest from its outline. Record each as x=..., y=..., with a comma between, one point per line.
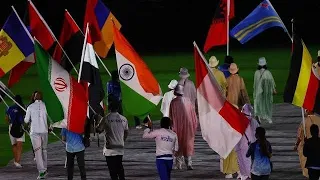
x=166, y=146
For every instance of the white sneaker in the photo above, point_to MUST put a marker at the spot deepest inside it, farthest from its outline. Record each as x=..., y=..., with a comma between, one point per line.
x=229, y=176
x=244, y=177
x=17, y=165
x=138, y=127
x=177, y=167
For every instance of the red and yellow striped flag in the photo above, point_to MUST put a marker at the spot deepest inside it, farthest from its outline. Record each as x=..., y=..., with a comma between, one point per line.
x=302, y=88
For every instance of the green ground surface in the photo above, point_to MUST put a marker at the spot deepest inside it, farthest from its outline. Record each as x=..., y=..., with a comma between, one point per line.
x=165, y=68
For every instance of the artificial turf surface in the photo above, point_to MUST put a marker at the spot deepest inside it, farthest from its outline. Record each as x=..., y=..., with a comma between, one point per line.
x=165, y=68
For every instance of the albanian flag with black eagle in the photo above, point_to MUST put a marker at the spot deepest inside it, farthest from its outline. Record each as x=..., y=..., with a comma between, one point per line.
x=71, y=39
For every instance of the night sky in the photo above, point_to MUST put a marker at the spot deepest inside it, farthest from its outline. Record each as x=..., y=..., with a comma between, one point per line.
x=172, y=25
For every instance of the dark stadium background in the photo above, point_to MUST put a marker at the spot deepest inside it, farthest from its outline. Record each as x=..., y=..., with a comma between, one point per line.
x=172, y=25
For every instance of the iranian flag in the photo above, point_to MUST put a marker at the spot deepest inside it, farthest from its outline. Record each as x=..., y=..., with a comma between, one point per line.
x=222, y=125
x=65, y=98
x=140, y=90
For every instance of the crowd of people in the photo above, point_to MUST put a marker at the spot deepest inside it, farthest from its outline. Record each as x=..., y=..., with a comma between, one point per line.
x=250, y=159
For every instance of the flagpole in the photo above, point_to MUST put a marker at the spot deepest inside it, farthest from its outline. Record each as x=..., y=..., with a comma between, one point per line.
x=83, y=52
x=44, y=22
x=5, y=88
x=228, y=13
x=82, y=59
x=24, y=27
x=302, y=110
x=4, y=101
x=207, y=65
x=104, y=66
x=281, y=21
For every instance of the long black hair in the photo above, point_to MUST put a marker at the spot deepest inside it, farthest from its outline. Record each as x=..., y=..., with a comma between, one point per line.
x=32, y=97
x=262, y=67
x=165, y=122
x=264, y=144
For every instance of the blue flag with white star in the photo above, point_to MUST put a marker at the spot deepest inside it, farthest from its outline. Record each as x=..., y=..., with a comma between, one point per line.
x=261, y=18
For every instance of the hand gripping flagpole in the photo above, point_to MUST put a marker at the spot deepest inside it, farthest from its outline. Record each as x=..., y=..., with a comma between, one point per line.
x=104, y=66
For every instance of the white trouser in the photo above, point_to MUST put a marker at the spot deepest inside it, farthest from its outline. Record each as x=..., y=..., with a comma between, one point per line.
x=39, y=144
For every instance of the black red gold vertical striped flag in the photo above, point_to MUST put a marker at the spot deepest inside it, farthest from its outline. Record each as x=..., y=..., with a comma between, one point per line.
x=302, y=88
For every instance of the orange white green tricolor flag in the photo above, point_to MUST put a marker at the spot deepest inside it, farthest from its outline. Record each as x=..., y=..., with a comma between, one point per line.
x=222, y=125
x=140, y=90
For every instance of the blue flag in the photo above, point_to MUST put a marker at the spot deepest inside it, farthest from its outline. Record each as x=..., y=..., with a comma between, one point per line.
x=261, y=18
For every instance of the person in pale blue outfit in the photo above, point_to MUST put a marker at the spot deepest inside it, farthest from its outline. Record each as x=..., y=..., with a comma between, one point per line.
x=260, y=152
x=264, y=88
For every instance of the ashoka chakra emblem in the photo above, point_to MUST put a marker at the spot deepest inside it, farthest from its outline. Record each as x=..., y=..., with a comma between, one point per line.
x=126, y=72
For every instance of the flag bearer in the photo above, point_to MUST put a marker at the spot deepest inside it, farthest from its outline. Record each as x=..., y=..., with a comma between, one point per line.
x=37, y=112
x=166, y=146
x=115, y=127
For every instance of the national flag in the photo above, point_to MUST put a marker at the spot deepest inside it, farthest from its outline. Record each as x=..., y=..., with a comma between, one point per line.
x=217, y=34
x=222, y=125
x=138, y=85
x=15, y=43
x=65, y=98
x=263, y=17
x=71, y=39
x=39, y=28
x=89, y=72
x=101, y=20
x=302, y=88
x=18, y=71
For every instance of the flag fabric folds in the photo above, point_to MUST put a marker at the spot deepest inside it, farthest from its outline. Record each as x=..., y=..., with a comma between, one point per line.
x=101, y=20
x=18, y=71
x=137, y=81
x=65, y=98
x=71, y=39
x=302, y=88
x=89, y=72
x=222, y=125
x=217, y=34
x=15, y=43
x=261, y=18
x=39, y=28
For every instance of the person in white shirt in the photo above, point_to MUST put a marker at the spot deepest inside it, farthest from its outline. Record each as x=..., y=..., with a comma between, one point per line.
x=116, y=128
x=37, y=115
x=167, y=98
x=166, y=146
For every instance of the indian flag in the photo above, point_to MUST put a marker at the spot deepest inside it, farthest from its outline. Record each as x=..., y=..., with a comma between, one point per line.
x=141, y=92
x=65, y=98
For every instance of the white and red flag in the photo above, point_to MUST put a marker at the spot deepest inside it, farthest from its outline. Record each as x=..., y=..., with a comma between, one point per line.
x=222, y=125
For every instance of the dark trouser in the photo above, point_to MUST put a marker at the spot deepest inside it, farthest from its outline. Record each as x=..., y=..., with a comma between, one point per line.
x=136, y=121
x=164, y=168
x=255, y=177
x=313, y=174
x=80, y=161
x=115, y=167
